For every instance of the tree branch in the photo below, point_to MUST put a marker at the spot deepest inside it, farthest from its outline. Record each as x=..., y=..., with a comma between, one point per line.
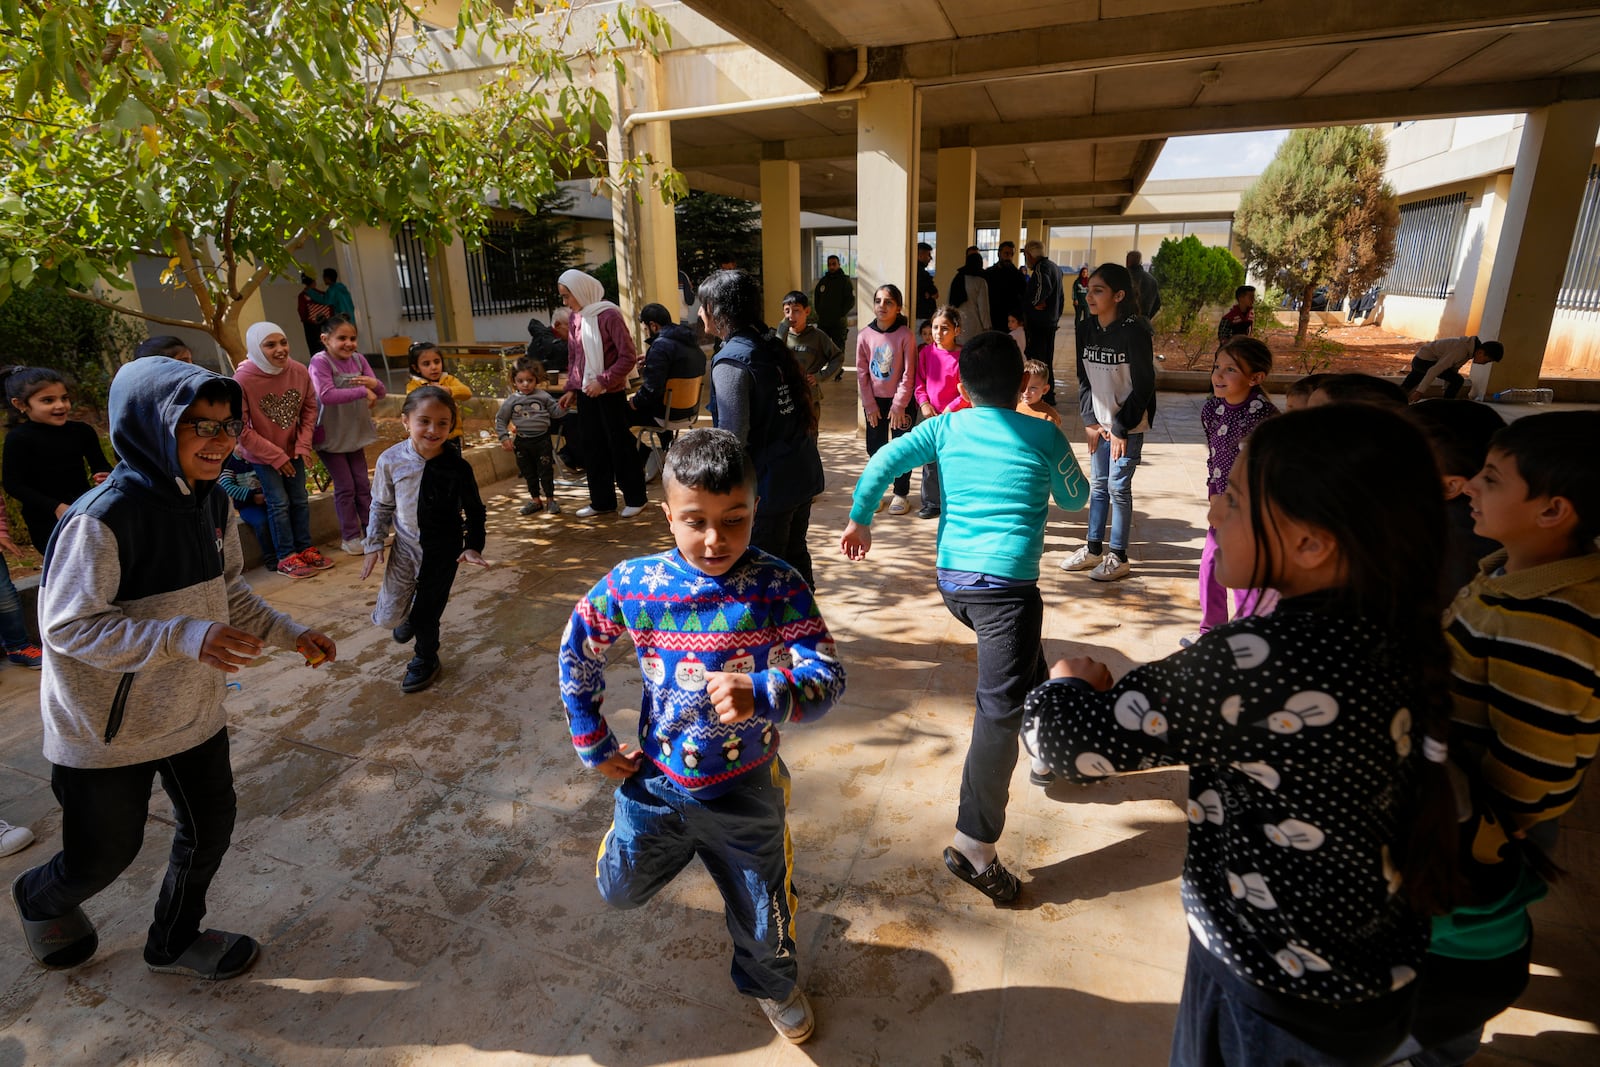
x=260, y=276
x=227, y=241
x=191, y=273
x=89, y=298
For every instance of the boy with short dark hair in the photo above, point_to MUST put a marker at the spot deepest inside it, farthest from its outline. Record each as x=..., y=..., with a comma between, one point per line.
x=999, y=470
x=731, y=646
x=1443, y=359
x=142, y=611
x=1524, y=647
x=1240, y=319
x=813, y=349
x=1459, y=432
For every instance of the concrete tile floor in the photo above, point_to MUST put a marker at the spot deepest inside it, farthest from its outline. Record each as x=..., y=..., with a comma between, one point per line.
x=420, y=869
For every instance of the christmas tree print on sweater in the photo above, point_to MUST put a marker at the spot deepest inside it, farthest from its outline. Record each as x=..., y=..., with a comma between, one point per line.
x=757, y=619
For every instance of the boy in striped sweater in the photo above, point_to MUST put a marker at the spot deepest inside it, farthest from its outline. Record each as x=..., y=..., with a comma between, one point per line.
x=1525, y=643
x=731, y=646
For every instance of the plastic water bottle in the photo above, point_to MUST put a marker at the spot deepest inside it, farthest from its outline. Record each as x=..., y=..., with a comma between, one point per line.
x=1523, y=396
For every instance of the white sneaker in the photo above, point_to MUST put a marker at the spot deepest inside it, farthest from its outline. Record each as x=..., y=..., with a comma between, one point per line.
x=631, y=510
x=793, y=1018
x=354, y=547
x=1111, y=568
x=899, y=505
x=17, y=838
x=1081, y=560
x=588, y=512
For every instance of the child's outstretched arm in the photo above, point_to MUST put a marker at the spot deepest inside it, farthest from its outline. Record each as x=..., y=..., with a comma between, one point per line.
x=248, y=612
x=595, y=624
x=1067, y=485
x=902, y=454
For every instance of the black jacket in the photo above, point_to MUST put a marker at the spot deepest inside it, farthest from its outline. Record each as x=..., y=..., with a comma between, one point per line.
x=788, y=466
x=672, y=354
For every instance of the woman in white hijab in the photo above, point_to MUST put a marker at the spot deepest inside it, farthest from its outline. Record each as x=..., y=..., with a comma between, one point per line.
x=601, y=357
x=280, y=415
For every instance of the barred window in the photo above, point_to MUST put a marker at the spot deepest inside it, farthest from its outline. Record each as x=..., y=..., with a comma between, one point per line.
x=1580, y=286
x=1426, y=247
x=411, y=269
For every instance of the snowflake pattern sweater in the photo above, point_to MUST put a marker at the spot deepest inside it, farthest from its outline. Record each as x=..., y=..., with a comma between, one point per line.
x=758, y=619
x=1300, y=748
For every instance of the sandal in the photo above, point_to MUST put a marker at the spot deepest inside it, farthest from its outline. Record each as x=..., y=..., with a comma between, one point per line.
x=215, y=955
x=995, y=882
x=65, y=941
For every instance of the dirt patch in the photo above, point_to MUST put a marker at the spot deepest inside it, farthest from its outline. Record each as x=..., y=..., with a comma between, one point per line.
x=1331, y=349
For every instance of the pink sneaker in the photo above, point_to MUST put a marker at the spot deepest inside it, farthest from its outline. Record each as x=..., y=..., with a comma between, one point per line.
x=315, y=559
x=294, y=567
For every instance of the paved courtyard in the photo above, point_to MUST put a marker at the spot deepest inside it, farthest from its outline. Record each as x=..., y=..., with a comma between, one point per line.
x=420, y=869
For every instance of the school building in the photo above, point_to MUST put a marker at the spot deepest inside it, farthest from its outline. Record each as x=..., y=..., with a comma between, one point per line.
x=860, y=129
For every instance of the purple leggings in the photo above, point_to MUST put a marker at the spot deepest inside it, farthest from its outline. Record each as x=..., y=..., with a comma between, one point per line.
x=352, y=490
x=1214, y=598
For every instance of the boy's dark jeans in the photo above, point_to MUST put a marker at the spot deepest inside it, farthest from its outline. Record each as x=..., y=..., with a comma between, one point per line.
x=1007, y=623
x=536, y=463
x=103, y=815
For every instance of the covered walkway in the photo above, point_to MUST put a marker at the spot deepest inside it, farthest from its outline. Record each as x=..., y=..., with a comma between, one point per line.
x=421, y=870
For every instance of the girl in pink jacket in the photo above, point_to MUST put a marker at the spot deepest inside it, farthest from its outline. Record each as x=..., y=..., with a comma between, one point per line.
x=886, y=366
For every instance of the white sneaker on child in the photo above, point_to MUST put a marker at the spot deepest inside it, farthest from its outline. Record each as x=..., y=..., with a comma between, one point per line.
x=1111, y=568
x=354, y=547
x=792, y=1018
x=17, y=838
x=1081, y=560
x=899, y=505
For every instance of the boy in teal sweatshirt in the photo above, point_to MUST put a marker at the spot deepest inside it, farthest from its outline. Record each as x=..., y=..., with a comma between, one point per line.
x=1000, y=471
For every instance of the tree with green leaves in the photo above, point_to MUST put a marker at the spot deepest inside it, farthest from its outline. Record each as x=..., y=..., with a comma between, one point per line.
x=1321, y=214
x=711, y=226
x=223, y=135
x=1192, y=275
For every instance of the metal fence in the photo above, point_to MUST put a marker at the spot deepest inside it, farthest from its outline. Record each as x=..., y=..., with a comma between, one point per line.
x=411, y=267
x=500, y=274
x=1580, y=286
x=1426, y=247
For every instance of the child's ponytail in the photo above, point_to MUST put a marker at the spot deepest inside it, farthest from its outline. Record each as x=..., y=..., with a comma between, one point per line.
x=1382, y=504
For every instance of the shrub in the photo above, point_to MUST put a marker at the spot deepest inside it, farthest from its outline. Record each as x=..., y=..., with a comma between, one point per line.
x=42, y=326
x=1192, y=275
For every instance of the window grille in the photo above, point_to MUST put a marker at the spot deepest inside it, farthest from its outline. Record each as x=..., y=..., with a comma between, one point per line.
x=1580, y=286
x=1426, y=247
x=411, y=267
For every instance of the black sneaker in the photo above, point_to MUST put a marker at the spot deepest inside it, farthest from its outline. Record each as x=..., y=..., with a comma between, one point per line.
x=994, y=881
x=928, y=511
x=420, y=673
x=404, y=632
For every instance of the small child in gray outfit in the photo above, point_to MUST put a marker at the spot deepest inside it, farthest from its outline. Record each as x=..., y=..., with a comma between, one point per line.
x=523, y=426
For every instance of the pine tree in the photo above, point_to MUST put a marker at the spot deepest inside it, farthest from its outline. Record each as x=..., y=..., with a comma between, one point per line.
x=1321, y=214
x=711, y=226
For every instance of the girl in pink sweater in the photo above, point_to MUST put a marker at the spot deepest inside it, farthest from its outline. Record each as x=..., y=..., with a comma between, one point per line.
x=886, y=366
x=280, y=414
x=938, y=390
x=347, y=390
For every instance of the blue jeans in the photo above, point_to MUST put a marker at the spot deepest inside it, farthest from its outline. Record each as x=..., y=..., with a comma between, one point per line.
x=742, y=837
x=255, y=517
x=1111, y=489
x=13, y=624
x=288, y=510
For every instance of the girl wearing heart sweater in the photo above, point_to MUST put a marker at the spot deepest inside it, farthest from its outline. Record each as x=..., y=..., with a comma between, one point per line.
x=280, y=414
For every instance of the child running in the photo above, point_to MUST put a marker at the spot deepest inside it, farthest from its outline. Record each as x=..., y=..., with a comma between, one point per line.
x=50, y=460
x=280, y=416
x=347, y=390
x=1000, y=471
x=1236, y=406
x=144, y=614
x=427, y=368
x=886, y=367
x=938, y=389
x=1035, y=384
x=732, y=647
x=1117, y=398
x=428, y=495
x=523, y=426
x=1321, y=822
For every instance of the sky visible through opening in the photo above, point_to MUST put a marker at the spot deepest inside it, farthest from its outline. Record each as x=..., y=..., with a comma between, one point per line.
x=1217, y=155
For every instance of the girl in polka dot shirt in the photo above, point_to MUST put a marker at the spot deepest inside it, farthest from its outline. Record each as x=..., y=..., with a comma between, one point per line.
x=1320, y=818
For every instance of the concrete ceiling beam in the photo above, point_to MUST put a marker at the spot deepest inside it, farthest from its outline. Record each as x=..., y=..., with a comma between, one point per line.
x=771, y=31
x=1187, y=34
x=800, y=150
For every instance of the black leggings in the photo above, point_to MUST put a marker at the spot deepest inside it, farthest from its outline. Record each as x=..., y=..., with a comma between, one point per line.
x=536, y=464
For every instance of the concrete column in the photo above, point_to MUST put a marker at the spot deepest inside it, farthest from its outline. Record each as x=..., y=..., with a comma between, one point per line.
x=1039, y=230
x=780, y=233
x=888, y=140
x=1011, y=222
x=1496, y=191
x=656, y=220
x=1541, y=213
x=957, y=178
x=452, y=299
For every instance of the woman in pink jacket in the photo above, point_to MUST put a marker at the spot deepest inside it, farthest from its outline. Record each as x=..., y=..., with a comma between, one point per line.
x=601, y=354
x=280, y=413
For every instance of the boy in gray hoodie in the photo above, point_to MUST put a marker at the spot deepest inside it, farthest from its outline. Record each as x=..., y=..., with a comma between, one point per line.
x=142, y=611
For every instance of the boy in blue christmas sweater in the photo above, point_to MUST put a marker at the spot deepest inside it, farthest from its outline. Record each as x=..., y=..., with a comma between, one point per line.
x=731, y=646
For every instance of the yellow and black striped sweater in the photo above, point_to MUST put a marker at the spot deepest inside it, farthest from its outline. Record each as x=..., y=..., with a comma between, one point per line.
x=1526, y=651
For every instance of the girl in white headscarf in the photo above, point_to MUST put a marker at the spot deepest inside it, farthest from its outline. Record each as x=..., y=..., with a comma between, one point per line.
x=280, y=414
x=601, y=357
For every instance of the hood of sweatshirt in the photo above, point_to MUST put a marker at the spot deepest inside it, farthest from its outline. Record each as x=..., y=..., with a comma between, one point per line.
x=899, y=321
x=148, y=397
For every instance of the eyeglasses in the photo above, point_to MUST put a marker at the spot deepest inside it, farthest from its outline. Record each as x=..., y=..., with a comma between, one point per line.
x=212, y=427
